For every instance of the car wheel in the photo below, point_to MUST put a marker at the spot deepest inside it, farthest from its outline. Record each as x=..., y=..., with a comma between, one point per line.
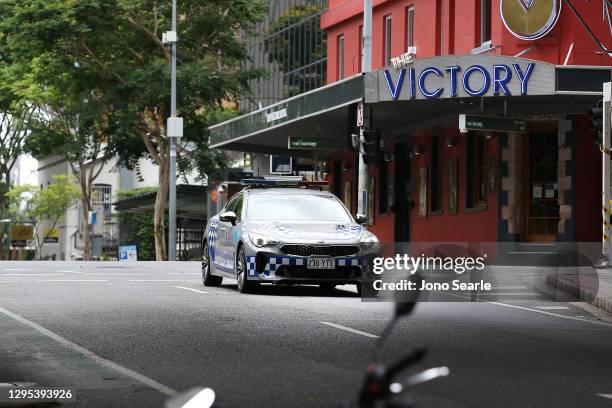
x=207, y=278
x=244, y=285
x=327, y=286
x=366, y=290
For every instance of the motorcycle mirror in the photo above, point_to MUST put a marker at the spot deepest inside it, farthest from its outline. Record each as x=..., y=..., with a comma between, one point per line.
x=197, y=397
x=405, y=300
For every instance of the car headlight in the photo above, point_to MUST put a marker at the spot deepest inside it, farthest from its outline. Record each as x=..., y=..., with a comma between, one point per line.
x=369, y=241
x=261, y=240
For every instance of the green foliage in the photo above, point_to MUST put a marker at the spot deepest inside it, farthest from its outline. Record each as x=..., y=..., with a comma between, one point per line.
x=291, y=43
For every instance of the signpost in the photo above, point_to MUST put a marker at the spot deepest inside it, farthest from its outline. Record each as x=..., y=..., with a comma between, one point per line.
x=495, y=124
x=128, y=253
x=316, y=143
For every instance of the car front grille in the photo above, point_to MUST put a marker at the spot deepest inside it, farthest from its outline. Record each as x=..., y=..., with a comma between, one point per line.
x=326, y=250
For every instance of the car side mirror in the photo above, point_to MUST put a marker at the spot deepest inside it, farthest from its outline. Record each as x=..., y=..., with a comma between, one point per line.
x=361, y=219
x=228, y=216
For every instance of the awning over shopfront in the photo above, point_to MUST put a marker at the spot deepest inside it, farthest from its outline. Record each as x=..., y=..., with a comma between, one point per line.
x=190, y=203
x=421, y=94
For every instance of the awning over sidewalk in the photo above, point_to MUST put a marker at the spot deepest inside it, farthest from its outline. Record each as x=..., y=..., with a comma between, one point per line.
x=190, y=202
x=320, y=113
x=422, y=94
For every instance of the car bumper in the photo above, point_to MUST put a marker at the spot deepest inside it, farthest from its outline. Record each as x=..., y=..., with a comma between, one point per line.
x=285, y=269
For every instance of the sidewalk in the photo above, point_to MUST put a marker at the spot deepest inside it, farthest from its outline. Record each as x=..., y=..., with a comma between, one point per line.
x=589, y=284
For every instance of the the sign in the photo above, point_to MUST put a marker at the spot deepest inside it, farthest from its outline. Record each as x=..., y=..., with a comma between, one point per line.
x=21, y=234
x=128, y=253
x=280, y=164
x=50, y=235
x=279, y=114
x=530, y=19
x=461, y=77
x=315, y=143
x=359, y=114
x=403, y=60
x=496, y=124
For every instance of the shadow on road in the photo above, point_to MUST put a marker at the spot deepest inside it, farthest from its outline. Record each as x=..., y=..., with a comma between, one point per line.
x=296, y=290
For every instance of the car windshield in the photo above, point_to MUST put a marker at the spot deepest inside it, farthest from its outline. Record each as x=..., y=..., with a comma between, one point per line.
x=296, y=207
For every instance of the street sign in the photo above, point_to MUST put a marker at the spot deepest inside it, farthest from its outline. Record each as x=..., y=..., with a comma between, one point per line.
x=360, y=114
x=316, y=143
x=496, y=124
x=50, y=235
x=21, y=234
x=128, y=253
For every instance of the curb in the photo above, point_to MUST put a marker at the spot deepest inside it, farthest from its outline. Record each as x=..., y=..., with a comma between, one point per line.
x=584, y=294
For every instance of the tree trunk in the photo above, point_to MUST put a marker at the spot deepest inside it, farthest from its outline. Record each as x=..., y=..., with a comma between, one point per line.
x=85, y=208
x=160, y=209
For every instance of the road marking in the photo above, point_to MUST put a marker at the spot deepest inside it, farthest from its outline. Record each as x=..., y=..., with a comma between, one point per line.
x=71, y=272
x=157, y=280
x=551, y=314
x=608, y=396
x=184, y=273
x=32, y=274
x=3, y=281
x=72, y=280
x=508, y=294
x=91, y=355
x=193, y=290
x=18, y=269
x=348, y=329
x=509, y=287
x=552, y=307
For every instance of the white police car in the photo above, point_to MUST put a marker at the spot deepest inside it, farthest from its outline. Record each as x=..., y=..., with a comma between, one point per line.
x=282, y=232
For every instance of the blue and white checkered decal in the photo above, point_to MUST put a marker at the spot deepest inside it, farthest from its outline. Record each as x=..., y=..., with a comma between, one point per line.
x=275, y=261
x=212, y=240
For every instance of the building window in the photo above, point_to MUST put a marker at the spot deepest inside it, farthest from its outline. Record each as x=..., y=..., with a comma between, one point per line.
x=387, y=44
x=435, y=201
x=102, y=198
x=383, y=188
x=409, y=27
x=476, y=185
x=485, y=21
x=340, y=56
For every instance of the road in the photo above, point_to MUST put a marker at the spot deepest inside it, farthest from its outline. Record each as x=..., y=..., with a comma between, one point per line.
x=125, y=335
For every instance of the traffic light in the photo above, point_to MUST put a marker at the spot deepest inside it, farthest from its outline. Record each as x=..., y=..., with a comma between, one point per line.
x=372, y=152
x=596, y=123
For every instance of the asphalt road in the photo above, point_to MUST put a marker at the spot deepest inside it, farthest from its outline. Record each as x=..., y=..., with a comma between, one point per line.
x=125, y=335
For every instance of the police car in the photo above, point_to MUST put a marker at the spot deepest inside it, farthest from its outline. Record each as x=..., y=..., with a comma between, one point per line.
x=285, y=232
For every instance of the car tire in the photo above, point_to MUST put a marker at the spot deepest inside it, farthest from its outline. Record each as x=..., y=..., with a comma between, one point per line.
x=244, y=284
x=366, y=290
x=327, y=286
x=207, y=278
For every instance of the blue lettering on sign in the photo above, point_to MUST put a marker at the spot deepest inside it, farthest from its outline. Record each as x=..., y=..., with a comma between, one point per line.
x=499, y=78
x=423, y=77
x=485, y=83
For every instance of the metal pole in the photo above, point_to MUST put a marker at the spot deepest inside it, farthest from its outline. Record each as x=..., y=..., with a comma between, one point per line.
x=366, y=64
x=172, y=189
x=606, y=146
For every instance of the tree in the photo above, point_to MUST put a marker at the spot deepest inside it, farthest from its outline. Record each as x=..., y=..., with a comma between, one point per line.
x=294, y=41
x=43, y=206
x=116, y=47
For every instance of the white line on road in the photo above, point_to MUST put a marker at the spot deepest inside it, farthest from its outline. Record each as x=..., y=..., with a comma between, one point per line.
x=608, y=396
x=193, y=290
x=508, y=294
x=184, y=273
x=71, y=272
x=552, y=307
x=18, y=269
x=157, y=280
x=552, y=314
x=4, y=281
x=509, y=287
x=72, y=280
x=32, y=274
x=89, y=354
x=348, y=329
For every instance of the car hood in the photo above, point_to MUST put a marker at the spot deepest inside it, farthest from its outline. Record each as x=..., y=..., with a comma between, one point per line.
x=308, y=231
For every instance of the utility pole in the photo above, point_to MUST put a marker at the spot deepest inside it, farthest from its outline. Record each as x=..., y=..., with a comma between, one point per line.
x=606, y=169
x=366, y=64
x=174, y=130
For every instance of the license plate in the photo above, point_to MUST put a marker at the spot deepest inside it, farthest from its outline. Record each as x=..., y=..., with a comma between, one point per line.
x=321, y=263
